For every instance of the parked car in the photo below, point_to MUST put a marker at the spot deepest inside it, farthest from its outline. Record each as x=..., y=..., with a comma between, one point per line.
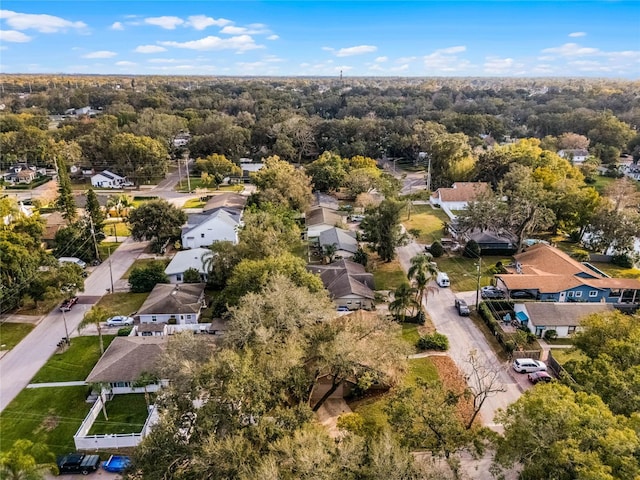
x=343, y=308
x=116, y=463
x=462, y=307
x=528, y=365
x=541, y=376
x=68, y=303
x=78, y=463
x=522, y=294
x=119, y=321
x=491, y=292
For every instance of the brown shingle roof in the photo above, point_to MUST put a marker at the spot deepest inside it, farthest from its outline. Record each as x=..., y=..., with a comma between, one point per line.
x=541, y=258
x=166, y=298
x=230, y=200
x=345, y=278
x=127, y=358
x=563, y=314
x=461, y=191
x=542, y=283
x=320, y=215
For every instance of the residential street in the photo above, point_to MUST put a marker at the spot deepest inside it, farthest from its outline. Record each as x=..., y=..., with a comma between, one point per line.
x=465, y=337
x=19, y=365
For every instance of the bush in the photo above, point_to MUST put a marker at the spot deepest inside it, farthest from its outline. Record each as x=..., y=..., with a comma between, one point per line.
x=550, y=335
x=192, y=275
x=575, y=236
x=143, y=279
x=581, y=255
x=124, y=331
x=436, y=249
x=471, y=249
x=435, y=341
x=622, y=260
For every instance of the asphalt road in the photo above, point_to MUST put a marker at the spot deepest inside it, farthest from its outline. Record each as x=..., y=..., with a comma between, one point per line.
x=464, y=337
x=20, y=364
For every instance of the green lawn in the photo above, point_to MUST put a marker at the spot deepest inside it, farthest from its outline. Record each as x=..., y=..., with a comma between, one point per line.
x=410, y=333
x=127, y=414
x=75, y=363
x=426, y=219
x=122, y=303
x=143, y=262
x=121, y=228
x=107, y=248
x=388, y=276
x=615, y=271
x=12, y=333
x=563, y=355
x=194, y=203
x=50, y=416
x=463, y=272
x=421, y=368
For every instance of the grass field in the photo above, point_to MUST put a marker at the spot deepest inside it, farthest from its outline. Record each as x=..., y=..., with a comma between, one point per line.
x=194, y=203
x=426, y=219
x=387, y=276
x=121, y=228
x=463, y=272
x=122, y=303
x=75, y=363
x=12, y=333
x=143, y=262
x=127, y=414
x=563, y=355
x=49, y=416
x=107, y=248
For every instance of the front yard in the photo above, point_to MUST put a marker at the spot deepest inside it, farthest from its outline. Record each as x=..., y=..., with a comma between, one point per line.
x=127, y=414
x=12, y=333
x=463, y=272
x=143, y=262
x=426, y=219
x=122, y=303
x=387, y=275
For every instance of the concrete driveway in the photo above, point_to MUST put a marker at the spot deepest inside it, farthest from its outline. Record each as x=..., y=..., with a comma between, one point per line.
x=465, y=337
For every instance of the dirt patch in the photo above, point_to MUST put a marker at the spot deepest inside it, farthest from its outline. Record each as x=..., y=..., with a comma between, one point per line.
x=453, y=380
x=49, y=423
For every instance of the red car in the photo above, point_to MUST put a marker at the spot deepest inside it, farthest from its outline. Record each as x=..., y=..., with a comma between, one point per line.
x=67, y=304
x=535, y=377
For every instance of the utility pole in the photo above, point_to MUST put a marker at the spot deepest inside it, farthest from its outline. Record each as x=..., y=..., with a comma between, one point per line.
x=110, y=271
x=66, y=332
x=429, y=173
x=479, y=266
x=179, y=174
x=93, y=235
x=186, y=163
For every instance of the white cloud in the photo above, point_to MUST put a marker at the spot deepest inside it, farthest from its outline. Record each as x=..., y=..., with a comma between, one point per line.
x=272, y=59
x=357, y=50
x=253, y=29
x=444, y=60
x=381, y=59
x=164, y=60
x=406, y=59
x=452, y=50
x=100, y=54
x=273, y=37
x=200, y=22
x=14, y=36
x=40, y=23
x=578, y=34
x=500, y=66
x=117, y=26
x=571, y=50
x=124, y=63
x=240, y=43
x=166, y=22
x=150, y=49
x=400, y=68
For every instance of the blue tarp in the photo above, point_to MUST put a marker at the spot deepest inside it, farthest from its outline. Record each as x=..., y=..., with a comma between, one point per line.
x=522, y=317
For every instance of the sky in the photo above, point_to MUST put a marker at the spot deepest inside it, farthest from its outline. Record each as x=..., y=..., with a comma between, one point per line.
x=312, y=38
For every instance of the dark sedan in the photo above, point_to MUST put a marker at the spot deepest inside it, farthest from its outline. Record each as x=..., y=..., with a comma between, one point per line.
x=522, y=295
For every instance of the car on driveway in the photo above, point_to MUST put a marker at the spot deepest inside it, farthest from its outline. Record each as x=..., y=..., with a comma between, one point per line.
x=491, y=292
x=528, y=365
x=542, y=376
x=462, y=307
x=68, y=303
x=78, y=463
x=119, y=321
x=522, y=294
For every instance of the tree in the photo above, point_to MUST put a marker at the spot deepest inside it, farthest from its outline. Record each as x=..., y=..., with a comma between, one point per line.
x=422, y=271
x=65, y=202
x=572, y=141
x=120, y=203
x=471, y=249
x=94, y=211
x=329, y=251
x=404, y=298
x=268, y=231
x=582, y=439
x=327, y=172
x=280, y=183
x=56, y=278
x=483, y=383
x=218, y=167
x=158, y=221
x=95, y=316
x=220, y=262
x=160, y=126
x=144, y=380
x=19, y=463
x=192, y=275
x=361, y=257
x=382, y=228
x=143, y=279
x=138, y=158
x=612, y=229
x=76, y=240
x=623, y=193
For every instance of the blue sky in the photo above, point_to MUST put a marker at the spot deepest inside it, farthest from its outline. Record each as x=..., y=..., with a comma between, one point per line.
x=364, y=38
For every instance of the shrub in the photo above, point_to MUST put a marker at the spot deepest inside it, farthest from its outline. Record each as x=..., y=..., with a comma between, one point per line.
x=550, y=335
x=124, y=331
x=581, y=255
x=435, y=341
x=436, y=249
x=143, y=279
x=192, y=275
x=471, y=249
x=575, y=235
x=622, y=260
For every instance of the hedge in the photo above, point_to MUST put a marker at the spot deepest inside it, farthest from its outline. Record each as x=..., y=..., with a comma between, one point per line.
x=435, y=341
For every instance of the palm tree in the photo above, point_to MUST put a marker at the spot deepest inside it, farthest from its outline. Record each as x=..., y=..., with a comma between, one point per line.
x=329, y=250
x=404, y=298
x=144, y=380
x=422, y=271
x=19, y=463
x=94, y=317
x=119, y=203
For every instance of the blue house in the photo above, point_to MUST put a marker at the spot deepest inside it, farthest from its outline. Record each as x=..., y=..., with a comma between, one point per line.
x=549, y=274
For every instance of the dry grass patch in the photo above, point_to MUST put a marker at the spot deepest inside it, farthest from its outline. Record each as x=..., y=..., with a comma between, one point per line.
x=453, y=380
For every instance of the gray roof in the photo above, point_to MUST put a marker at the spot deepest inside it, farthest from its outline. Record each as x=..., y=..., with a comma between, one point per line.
x=488, y=236
x=344, y=278
x=320, y=215
x=127, y=358
x=185, y=260
x=227, y=200
x=344, y=239
x=327, y=201
x=167, y=299
x=230, y=217
x=549, y=314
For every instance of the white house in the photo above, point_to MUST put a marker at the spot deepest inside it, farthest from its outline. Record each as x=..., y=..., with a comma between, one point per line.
x=577, y=156
x=107, y=179
x=180, y=304
x=564, y=318
x=459, y=195
x=183, y=261
x=204, y=229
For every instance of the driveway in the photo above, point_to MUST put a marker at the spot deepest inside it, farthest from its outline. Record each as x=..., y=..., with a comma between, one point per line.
x=20, y=364
x=465, y=337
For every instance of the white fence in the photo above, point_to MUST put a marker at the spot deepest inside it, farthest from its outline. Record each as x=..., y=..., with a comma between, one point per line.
x=84, y=441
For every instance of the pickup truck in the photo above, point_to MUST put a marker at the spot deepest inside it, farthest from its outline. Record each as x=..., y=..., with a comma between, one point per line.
x=67, y=304
x=78, y=463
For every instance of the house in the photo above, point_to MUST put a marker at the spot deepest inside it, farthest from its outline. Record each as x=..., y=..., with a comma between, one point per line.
x=183, y=261
x=169, y=303
x=633, y=171
x=107, y=179
x=344, y=240
x=231, y=202
x=564, y=318
x=203, y=229
x=549, y=274
x=26, y=176
x=576, y=156
x=459, y=195
x=22, y=211
x=325, y=201
x=348, y=284
x=248, y=167
x=319, y=219
x=494, y=243
x=54, y=221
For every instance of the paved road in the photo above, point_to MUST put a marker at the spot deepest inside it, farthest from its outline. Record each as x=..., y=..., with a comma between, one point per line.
x=19, y=365
x=465, y=337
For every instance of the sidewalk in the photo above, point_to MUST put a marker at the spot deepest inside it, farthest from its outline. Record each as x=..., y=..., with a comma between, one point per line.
x=57, y=384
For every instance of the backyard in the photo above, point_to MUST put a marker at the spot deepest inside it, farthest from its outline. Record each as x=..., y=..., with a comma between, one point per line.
x=126, y=413
x=12, y=333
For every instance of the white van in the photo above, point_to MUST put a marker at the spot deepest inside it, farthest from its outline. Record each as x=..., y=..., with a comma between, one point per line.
x=442, y=279
x=75, y=260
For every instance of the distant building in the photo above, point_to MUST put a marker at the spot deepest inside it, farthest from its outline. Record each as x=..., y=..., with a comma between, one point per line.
x=107, y=179
x=577, y=156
